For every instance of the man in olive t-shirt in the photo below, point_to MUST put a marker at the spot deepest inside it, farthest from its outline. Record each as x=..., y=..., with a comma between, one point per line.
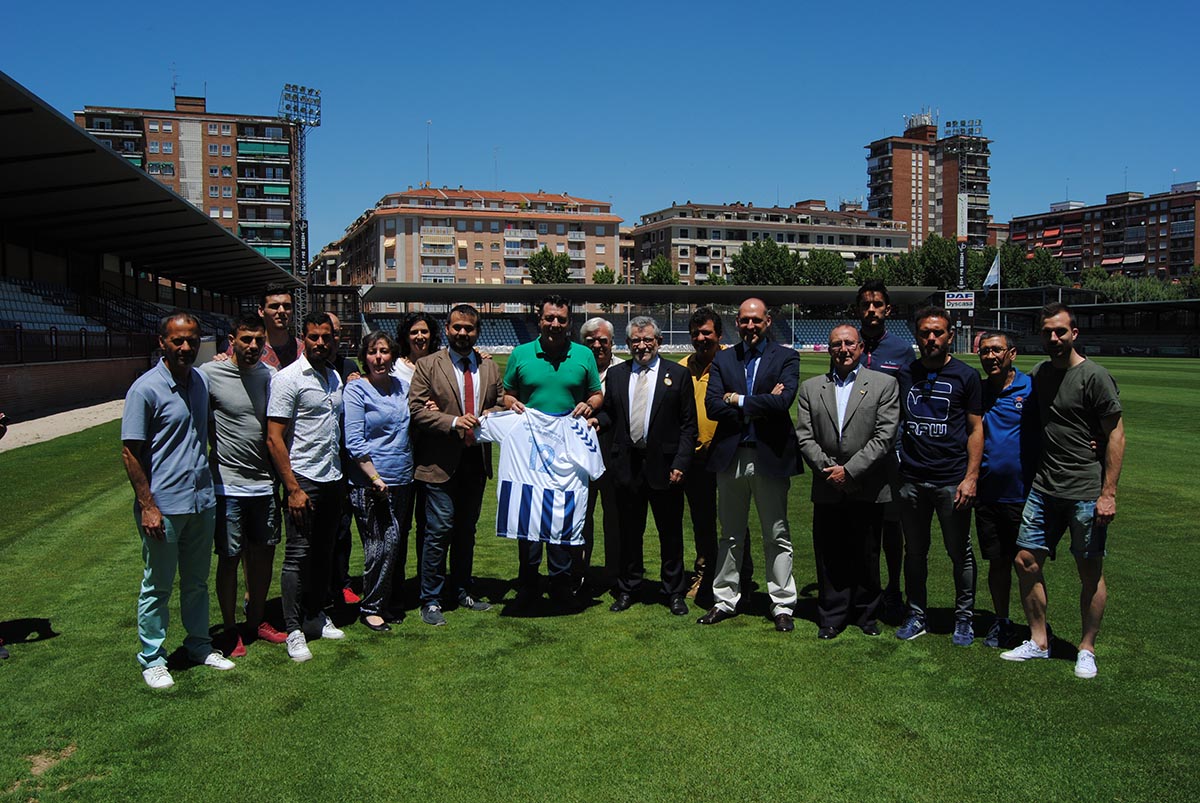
x=1075, y=487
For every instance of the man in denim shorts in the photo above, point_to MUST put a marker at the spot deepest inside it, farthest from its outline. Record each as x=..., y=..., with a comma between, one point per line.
x=1075, y=487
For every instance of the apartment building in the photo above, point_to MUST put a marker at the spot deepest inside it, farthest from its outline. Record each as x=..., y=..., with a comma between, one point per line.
x=237, y=168
x=1130, y=232
x=475, y=237
x=936, y=183
x=701, y=239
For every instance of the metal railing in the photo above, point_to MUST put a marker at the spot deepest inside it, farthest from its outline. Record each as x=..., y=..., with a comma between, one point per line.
x=20, y=345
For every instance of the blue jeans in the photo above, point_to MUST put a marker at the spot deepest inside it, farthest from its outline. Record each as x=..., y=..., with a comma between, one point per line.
x=1045, y=518
x=187, y=548
x=451, y=516
x=919, y=501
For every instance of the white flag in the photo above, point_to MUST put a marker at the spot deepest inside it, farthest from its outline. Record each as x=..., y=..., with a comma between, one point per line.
x=993, y=277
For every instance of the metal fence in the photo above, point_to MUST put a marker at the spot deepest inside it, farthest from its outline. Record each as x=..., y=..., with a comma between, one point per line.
x=20, y=345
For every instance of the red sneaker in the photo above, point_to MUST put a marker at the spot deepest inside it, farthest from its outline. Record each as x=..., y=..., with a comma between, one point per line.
x=231, y=643
x=350, y=597
x=269, y=634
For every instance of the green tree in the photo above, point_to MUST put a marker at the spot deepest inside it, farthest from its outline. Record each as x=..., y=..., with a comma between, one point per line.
x=1044, y=269
x=716, y=279
x=604, y=276
x=824, y=269
x=907, y=271
x=660, y=272
x=549, y=268
x=939, y=262
x=764, y=262
x=1094, y=278
x=879, y=269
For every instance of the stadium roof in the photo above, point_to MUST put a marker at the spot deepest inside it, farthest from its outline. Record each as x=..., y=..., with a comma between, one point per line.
x=631, y=294
x=59, y=182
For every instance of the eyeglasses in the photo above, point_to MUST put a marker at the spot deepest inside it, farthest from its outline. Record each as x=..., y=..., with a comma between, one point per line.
x=846, y=344
x=603, y=341
x=988, y=351
x=636, y=341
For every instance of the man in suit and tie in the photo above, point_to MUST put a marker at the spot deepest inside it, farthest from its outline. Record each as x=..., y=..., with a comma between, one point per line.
x=754, y=455
x=650, y=410
x=846, y=428
x=452, y=466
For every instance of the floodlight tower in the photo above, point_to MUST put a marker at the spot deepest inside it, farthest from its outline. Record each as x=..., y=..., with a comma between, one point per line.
x=300, y=106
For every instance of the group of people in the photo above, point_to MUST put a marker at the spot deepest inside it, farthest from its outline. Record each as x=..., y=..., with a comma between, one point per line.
x=280, y=429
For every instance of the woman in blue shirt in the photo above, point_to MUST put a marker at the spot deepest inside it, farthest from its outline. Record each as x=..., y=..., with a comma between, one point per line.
x=381, y=478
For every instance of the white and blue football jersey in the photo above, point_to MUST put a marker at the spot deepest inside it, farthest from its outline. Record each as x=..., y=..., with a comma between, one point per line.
x=546, y=462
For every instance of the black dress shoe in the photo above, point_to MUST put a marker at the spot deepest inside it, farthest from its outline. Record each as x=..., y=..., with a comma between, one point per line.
x=870, y=630
x=826, y=633
x=714, y=615
x=678, y=605
x=784, y=623
x=393, y=617
x=382, y=627
x=623, y=602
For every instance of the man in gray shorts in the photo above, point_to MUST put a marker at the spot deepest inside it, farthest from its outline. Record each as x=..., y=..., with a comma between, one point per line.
x=247, y=508
x=1075, y=487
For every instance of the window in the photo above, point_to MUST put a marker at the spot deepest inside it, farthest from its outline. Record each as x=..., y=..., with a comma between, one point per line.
x=226, y=171
x=226, y=129
x=213, y=149
x=495, y=246
x=250, y=192
x=478, y=226
x=462, y=264
x=684, y=251
x=102, y=123
x=389, y=226
x=599, y=248
x=683, y=233
x=716, y=234
x=684, y=269
x=495, y=227
x=153, y=125
x=227, y=212
x=168, y=126
x=478, y=266
x=214, y=171
x=212, y=129
x=214, y=212
x=560, y=248
x=227, y=192
x=543, y=228
x=227, y=150
x=495, y=266
x=273, y=132
x=153, y=168
x=248, y=131
x=153, y=146
x=599, y=229
x=168, y=147
x=213, y=191
x=460, y=225
x=560, y=228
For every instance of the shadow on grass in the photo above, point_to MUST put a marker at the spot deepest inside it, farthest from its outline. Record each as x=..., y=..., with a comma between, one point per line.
x=20, y=631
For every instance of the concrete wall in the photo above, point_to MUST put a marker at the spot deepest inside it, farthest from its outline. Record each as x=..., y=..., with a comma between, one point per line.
x=29, y=391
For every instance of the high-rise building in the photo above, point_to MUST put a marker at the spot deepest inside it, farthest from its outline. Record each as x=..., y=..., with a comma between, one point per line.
x=937, y=184
x=700, y=240
x=237, y=168
x=475, y=236
x=1130, y=232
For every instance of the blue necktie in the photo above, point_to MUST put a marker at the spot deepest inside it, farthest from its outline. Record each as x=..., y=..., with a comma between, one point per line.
x=751, y=366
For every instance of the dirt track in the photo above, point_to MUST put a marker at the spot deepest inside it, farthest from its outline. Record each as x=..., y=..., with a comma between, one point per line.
x=52, y=426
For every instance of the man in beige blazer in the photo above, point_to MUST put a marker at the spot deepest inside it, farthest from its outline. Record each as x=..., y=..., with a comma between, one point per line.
x=451, y=465
x=846, y=428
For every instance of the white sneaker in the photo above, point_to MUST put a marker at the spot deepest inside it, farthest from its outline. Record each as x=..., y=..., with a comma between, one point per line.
x=217, y=660
x=158, y=677
x=297, y=647
x=330, y=630
x=1027, y=650
x=1085, y=664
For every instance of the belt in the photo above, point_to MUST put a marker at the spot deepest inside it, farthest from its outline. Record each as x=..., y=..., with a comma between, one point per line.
x=748, y=444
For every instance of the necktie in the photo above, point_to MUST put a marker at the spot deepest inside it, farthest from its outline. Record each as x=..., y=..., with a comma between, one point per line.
x=468, y=397
x=637, y=418
x=751, y=364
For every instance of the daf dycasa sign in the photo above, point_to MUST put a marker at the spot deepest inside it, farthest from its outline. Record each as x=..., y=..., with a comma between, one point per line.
x=963, y=299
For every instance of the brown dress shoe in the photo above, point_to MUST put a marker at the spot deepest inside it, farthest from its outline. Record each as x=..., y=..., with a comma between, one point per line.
x=714, y=615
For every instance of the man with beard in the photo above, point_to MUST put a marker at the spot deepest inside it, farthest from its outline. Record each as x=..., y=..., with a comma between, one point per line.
x=162, y=434
x=941, y=447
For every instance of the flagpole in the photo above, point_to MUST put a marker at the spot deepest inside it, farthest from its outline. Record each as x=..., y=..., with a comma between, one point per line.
x=998, y=282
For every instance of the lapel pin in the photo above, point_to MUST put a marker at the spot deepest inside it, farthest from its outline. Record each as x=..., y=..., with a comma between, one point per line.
x=862, y=393
x=667, y=381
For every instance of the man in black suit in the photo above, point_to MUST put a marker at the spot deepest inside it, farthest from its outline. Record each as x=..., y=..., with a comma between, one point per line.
x=754, y=455
x=650, y=409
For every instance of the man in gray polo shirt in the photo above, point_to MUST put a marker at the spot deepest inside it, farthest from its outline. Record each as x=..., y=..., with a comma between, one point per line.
x=162, y=434
x=303, y=438
x=247, y=508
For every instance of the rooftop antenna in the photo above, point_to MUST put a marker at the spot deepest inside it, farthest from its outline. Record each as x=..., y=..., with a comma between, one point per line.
x=1126, y=178
x=496, y=167
x=174, y=80
x=428, y=123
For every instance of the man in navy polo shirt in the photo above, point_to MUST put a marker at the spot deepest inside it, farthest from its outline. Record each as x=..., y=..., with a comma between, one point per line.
x=163, y=431
x=1004, y=475
x=941, y=447
x=887, y=354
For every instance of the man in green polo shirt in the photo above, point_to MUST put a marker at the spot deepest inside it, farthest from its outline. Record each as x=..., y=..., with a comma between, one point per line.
x=556, y=376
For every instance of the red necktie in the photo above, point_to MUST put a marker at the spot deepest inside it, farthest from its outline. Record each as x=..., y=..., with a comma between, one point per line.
x=468, y=398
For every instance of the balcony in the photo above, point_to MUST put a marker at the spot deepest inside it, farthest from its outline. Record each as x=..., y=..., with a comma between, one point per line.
x=437, y=270
x=511, y=270
x=520, y=234
x=265, y=224
x=519, y=253
x=576, y=236
x=285, y=201
x=700, y=258
x=436, y=250
x=577, y=254
x=577, y=273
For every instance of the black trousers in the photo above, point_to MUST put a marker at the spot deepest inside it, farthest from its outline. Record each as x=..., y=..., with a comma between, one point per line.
x=846, y=546
x=667, y=505
x=308, y=552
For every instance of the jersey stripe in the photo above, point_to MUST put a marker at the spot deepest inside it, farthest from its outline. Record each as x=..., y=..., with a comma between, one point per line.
x=526, y=503
x=547, y=533
x=568, y=514
x=505, y=496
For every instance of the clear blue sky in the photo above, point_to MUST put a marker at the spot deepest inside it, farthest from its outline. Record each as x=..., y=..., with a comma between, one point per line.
x=648, y=103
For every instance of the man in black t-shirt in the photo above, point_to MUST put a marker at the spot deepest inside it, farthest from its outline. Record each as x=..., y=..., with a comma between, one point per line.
x=941, y=448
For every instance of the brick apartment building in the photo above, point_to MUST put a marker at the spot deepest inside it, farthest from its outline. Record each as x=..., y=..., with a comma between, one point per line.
x=468, y=236
x=1130, y=232
x=700, y=240
x=237, y=168
x=918, y=177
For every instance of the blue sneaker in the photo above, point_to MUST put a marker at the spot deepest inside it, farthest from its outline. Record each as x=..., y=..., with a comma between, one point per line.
x=913, y=626
x=964, y=636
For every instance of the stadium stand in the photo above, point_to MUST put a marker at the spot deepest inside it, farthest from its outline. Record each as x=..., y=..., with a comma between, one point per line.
x=37, y=305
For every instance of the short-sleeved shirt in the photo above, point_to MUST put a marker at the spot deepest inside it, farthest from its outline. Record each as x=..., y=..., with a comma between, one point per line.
x=889, y=355
x=312, y=402
x=553, y=386
x=171, y=422
x=935, y=405
x=1004, y=475
x=1070, y=405
x=238, y=411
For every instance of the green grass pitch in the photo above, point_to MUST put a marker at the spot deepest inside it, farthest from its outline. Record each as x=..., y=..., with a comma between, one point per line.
x=598, y=706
